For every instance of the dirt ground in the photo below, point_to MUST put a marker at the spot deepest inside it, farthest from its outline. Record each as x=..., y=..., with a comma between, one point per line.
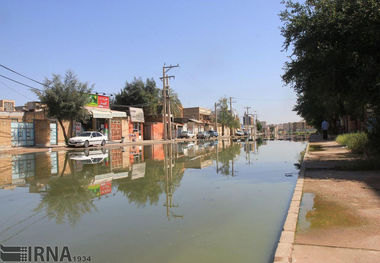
x=339, y=218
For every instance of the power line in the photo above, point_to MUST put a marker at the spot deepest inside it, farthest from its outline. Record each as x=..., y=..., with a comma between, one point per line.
x=22, y=75
x=21, y=94
x=18, y=82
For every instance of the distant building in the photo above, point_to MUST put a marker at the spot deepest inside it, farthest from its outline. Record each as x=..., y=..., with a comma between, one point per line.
x=7, y=105
x=200, y=119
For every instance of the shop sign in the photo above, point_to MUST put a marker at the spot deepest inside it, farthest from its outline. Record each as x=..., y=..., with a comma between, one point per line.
x=99, y=101
x=137, y=114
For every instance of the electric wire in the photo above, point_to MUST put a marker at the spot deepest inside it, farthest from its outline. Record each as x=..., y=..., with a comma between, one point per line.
x=18, y=82
x=36, y=81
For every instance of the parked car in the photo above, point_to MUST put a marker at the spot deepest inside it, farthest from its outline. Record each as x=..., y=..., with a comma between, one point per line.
x=246, y=133
x=88, y=138
x=203, y=135
x=89, y=156
x=239, y=133
x=213, y=133
x=187, y=134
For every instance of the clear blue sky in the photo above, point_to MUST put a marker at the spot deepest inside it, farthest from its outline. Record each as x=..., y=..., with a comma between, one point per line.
x=224, y=48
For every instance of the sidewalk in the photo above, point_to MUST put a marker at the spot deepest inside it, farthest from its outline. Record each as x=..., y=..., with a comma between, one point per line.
x=339, y=216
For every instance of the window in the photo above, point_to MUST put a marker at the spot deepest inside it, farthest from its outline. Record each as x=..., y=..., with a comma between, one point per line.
x=137, y=127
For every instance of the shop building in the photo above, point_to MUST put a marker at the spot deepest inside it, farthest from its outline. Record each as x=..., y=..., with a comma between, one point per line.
x=112, y=123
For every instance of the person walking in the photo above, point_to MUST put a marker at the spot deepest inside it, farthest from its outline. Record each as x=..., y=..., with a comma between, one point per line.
x=325, y=127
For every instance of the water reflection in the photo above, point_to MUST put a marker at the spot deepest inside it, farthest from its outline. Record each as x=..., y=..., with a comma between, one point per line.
x=69, y=181
x=182, y=202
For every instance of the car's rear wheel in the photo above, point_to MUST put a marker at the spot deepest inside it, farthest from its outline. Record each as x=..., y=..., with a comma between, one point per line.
x=86, y=144
x=103, y=143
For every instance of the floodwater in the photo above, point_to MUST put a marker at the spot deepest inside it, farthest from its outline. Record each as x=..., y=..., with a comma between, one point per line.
x=197, y=202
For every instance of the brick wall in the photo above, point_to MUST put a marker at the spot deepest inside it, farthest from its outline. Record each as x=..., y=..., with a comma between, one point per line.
x=6, y=170
x=154, y=130
x=192, y=113
x=5, y=133
x=41, y=133
x=125, y=129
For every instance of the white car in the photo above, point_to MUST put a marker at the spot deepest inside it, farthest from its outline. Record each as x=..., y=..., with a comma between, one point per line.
x=89, y=157
x=88, y=138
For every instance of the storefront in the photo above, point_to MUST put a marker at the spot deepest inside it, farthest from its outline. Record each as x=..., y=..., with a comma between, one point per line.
x=112, y=123
x=136, y=124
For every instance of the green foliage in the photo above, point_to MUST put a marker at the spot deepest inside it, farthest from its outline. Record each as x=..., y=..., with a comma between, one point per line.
x=315, y=148
x=225, y=117
x=259, y=126
x=146, y=95
x=226, y=157
x=65, y=99
x=67, y=198
x=140, y=94
x=356, y=142
x=334, y=64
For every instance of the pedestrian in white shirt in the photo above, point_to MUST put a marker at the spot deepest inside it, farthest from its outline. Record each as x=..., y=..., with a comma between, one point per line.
x=325, y=127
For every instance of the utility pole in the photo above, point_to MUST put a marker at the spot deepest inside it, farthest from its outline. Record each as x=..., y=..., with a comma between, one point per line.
x=232, y=131
x=166, y=100
x=169, y=114
x=216, y=119
x=246, y=116
x=164, y=106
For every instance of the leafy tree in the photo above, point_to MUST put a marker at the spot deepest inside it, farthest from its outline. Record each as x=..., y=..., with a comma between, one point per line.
x=175, y=103
x=146, y=95
x=140, y=94
x=225, y=117
x=65, y=100
x=259, y=126
x=334, y=66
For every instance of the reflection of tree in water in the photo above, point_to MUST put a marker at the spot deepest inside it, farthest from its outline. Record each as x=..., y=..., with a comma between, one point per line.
x=67, y=198
x=226, y=155
x=149, y=188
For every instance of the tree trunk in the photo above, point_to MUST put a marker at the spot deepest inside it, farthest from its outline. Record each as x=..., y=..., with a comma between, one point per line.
x=64, y=131
x=70, y=131
x=65, y=163
x=222, y=129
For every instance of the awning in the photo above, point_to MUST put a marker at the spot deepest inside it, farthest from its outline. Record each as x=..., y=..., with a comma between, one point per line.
x=137, y=114
x=100, y=114
x=118, y=114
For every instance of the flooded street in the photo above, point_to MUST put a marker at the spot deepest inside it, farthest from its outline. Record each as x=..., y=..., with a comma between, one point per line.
x=205, y=202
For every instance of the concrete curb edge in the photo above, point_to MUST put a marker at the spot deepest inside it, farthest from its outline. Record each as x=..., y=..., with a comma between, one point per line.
x=284, y=248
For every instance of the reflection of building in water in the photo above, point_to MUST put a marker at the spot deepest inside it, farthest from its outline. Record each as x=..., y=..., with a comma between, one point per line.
x=23, y=166
x=198, y=163
x=154, y=152
x=138, y=170
x=6, y=170
x=136, y=154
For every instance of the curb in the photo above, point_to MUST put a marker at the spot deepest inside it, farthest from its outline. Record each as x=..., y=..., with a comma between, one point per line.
x=284, y=248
